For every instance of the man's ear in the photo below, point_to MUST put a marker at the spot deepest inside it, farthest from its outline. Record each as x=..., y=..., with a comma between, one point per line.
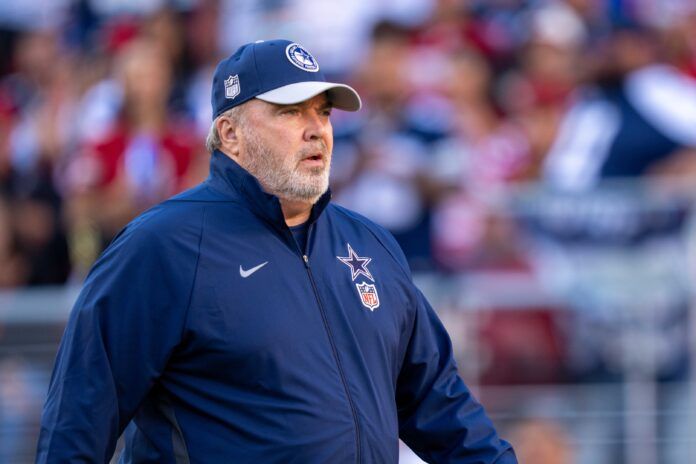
x=229, y=136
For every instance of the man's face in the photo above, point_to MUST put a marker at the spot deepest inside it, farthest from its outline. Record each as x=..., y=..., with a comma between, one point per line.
x=288, y=147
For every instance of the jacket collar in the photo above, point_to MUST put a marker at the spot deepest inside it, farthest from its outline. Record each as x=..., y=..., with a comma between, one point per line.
x=229, y=177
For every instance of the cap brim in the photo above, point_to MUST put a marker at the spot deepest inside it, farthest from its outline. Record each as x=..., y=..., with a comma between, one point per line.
x=341, y=96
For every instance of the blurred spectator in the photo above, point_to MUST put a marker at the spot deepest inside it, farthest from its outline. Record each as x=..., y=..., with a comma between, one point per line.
x=636, y=119
x=535, y=93
x=144, y=157
x=37, y=124
x=42, y=95
x=388, y=181
x=500, y=137
x=483, y=151
x=166, y=29
x=204, y=50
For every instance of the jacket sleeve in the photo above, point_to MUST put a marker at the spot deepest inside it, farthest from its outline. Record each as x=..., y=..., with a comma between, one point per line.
x=125, y=324
x=439, y=419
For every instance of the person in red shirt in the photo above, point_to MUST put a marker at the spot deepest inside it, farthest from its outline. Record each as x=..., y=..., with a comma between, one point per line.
x=146, y=155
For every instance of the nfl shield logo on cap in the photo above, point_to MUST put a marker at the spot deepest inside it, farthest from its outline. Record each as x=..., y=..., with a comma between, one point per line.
x=232, y=86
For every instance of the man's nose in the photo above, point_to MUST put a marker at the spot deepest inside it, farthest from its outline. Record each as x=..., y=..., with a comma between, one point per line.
x=315, y=126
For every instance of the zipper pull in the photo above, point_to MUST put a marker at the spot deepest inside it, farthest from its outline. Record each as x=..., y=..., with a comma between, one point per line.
x=306, y=260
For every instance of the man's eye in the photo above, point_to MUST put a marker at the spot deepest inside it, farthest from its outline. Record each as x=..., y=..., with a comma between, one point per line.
x=326, y=112
x=290, y=111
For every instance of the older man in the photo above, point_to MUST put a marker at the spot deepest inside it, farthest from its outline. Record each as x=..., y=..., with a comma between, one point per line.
x=250, y=320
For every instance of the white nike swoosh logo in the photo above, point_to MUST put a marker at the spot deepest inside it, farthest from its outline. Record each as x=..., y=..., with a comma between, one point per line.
x=247, y=273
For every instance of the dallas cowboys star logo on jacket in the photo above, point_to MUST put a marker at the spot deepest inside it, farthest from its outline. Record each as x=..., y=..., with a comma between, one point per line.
x=357, y=264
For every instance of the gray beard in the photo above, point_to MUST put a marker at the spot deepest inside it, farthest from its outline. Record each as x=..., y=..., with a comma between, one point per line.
x=279, y=174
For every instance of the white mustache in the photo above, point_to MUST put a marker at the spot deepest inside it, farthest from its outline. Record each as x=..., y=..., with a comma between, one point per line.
x=307, y=152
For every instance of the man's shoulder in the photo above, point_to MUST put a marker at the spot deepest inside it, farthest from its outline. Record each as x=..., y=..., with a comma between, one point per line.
x=179, y=218
x=181, y=211
x=349, y=215
x=201, y=193
x=382, y=235
x=168, y=217
x=149, y=235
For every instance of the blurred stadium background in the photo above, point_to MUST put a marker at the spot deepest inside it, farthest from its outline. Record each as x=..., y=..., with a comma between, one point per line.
x=535, y=159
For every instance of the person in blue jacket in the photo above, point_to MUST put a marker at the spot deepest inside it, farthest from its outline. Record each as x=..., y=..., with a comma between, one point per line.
x=250, y=320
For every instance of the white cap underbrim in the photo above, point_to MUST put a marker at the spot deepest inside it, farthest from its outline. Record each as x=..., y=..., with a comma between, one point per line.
x=341, y=96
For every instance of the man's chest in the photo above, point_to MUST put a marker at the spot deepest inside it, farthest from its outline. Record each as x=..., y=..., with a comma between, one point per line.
x=259, y=305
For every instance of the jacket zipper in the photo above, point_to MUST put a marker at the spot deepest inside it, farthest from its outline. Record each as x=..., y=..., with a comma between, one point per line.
x=325, y=320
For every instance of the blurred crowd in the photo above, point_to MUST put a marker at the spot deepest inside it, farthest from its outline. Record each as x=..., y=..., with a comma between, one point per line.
x=104, y=106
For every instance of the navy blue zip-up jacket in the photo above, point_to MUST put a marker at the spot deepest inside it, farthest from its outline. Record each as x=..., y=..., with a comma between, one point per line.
x=202, y=355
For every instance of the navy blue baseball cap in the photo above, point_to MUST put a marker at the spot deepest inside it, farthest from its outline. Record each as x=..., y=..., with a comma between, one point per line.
x=276, y=71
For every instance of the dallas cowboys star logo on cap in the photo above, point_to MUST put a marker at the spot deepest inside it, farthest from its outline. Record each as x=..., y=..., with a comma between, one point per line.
x=301, y=58
x=357, y=264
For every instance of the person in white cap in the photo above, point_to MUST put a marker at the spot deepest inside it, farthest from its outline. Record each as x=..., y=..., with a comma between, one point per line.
x=250, y=320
